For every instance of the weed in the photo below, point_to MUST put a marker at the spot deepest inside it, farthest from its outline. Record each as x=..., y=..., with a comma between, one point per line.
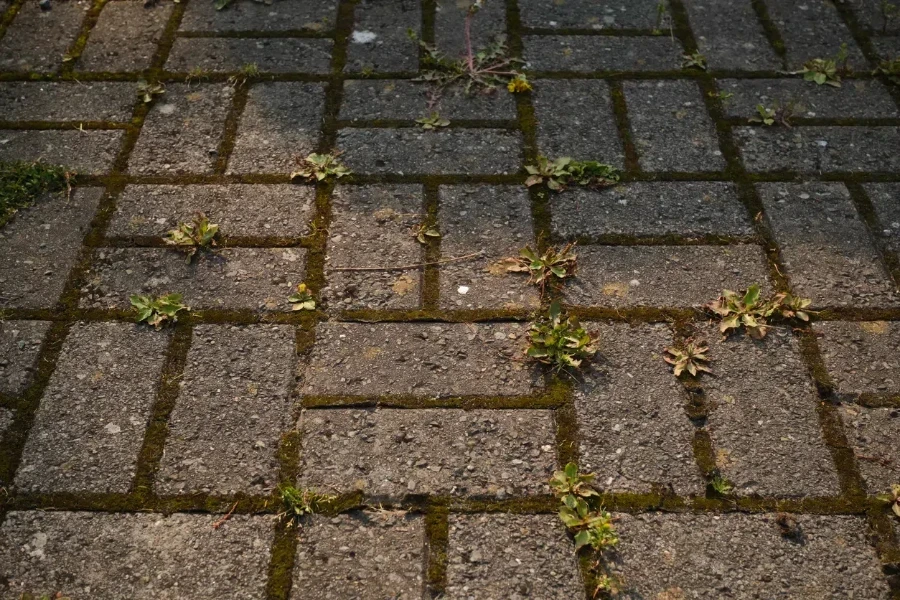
x=296, y=502
x=722, y=97
x=592, y=527
x=825, y=71
x=608, y=585
x=661, y=12
x=560, y=342
x=559, y=173
x=200, y=234
x=570, y=481
x=433, y=122
x=548, y=268
x=195, y=74
x=720, y=485
x=519, y=84
x=21, y=183
x=424, y=231
x=890, y=69
x=246, y=72
x=148, y=91
x=693, y=61
x=892, y=498
x=689, y=357
x=317, y=167
x=159, y=310
x=750, y=311
x=778, y=114
x=302, y=299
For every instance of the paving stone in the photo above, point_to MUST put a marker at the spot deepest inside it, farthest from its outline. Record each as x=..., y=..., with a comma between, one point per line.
x=40, y=246
x=861, y=357
x=590, y=53
x=37, y=40
x=730, y=35
x=763, y=420
x=64, y=101
x=365, y=555
x=887, y=47
x=379, y=41
x=280, y=123
x=389, y=453
x=90, y=152
x=497, y=222
x=825, y=246
x=499, y=555
x=819, y=149
x=672, y=130
x=405, y=99
x=238, y=209
x=564, y=128
x=854, y=99
x=488, y=26
x=270, y=55
x=874, y=18
x=233, y=406
x=634, y=432
x=663, y=276
x=20, y=342
x=125, y=37
x=414, y=151
x=670, y=556
x=140, y=556
x=884, y=198
x=90, y=424
x=436, y=360
x=230, y=279
x=182, y=132
x=247, y=15
x=872, y=433
x=813, y=30
x=372, y=226
x=643, y=209
x=6, y=421
x=591, y=14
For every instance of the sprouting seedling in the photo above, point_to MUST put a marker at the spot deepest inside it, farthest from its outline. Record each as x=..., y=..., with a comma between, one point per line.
x=722, y=97
x=297, y=503
x=752, y=312
x=147, y=91
x=559, y=341
x=301, y=299
x=689, y=357
x=433, y=122
x=661, y=9
x=892, y=498
x=559, y=173
x=317, y=167
x=592, y=527
x=890, y=69
x=194, y=236
x=570, y=481
x=548, y=268
x=424, y=231
x=246, y=72
x=156, y=311
x=825, y=71
x=519, y=84
x=778, y=114
x=195, y=73
x=720, y=485
x=694, y=60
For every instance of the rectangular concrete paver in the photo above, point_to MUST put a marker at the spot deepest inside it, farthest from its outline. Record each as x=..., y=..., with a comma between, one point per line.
x=20, y=342
x=37, y=40
x=409, y=100
x=90, y=152
x=813, y=30
x=449, y=26
x=854, y=99
x=67, y=101
x=884, y=199
x=125, y=37
x=871, y=433
x=91, y=421
x=861, y=357
x=586, y=54
x=589, y=14
x=250, y=16
x=379, y=42
x=730, y=35
x=268, y=55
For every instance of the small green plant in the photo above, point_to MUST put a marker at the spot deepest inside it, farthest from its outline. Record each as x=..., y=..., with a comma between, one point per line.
x=198, y=235
x=246, y=72
x=892, y=498
x=317, y=167
x=890, y=69
x=688, y=357
x=722, y=97
x=570, y=482
x=196, y=73
x=720, y=485
x=559, y=173
x=548, y=268
x=752, y=312
x=826, y=71
x=148, y=91
x=608, y=585
x=21, y=183
x=519, y=84
x=694, y=60
x=297, y=502
x=559, y=341
x=592, y=527
x=661, y=12
x=301, y=299
x=424, y=231
x=156, y=311
x=777, y=115
x=433, y=122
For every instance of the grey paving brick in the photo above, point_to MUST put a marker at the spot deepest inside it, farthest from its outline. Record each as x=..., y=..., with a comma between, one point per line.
x=697, y=556
x=90, y=152
x=590, y=53
x=182, y=132
x=233, y=406
x=6, y=420
x=405, y=99
x=634, y=432
x=672, y=130
x=246, y=15
x=819, y=149
x=884, y=197
x=146, y=556
x=436, y=360
x=872, y=433
x=270, y=55
x=364, y=555
x=414, y=151
x=825, y=246
x=663, y=276
x=20, y=342
x=37, y=40
x=855, y=98
x=40, y=245
x=389, y=453
x=643, y=209
x=813, y=30
x=373, y=226
x=379, y=41
x=90, y=424
x=449, y=26
x=591, y=14
x=238, y=209
x=763, y=420
x=861, y=357
x=876, y=16
x=730, y=35
x=280, y=123
x=564, y=128
x=887, y=47
x=125, y=37
x=497, y=222
x=231, y=279
x=64, y=101
x=515, y=556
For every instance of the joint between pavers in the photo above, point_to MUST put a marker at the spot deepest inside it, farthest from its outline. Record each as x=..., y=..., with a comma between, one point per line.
x=412, y=124
x=431, y=274
x=64, y=125
x=7, y=17
x=77, y=46
x=874, y=227
x=254, y=34
x=230, y=129
x=771, y=31
x=548, y=400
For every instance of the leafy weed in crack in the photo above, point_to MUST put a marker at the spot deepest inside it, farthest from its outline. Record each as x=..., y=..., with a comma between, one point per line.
x=662, y=17
x=559, y=341
x=693, y=61
x=750, y=311
x=563, y=171
x=547, y=269
x=21, y=183
x=892, y=499
x=722, y=97
x=244, y=74
x=192, y=237
x=157, y=311
x=147, y=91
x=433, y=122
x=778, y=114
x=301, y=299
x=890, y=69
x=720, y=485
x=195, y=74
x=690, y=357
x=826, y=71
x=298, y=502
x=318, y=167
x=424, y=231
x=519, y=84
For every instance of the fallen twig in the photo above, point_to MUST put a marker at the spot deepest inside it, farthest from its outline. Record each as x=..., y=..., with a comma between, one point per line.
x=415, y=266
x=221, y=521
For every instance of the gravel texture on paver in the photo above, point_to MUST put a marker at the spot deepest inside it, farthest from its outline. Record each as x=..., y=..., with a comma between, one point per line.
x=20, y=342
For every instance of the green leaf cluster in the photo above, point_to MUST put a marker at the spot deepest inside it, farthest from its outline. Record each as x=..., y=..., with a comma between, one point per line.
x=424, y=231
x=560, y=342
x=156, y=311
x=563, y=171
x=890, y=69
x=298, y=502
x=695, y=61
x=200, y=233
x=824, y=71
x=721, y=485
x=302, y=299
x=433, y=122
x=147, y=91
x=491, y=67
x=21, y=183
x=545, y=269
x=591, y=527
x=689, y=357
x=893, y=498
x=317, y=167
x=751, y=311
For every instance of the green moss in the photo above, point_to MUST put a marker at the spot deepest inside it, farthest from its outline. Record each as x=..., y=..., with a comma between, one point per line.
x=22, y=183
